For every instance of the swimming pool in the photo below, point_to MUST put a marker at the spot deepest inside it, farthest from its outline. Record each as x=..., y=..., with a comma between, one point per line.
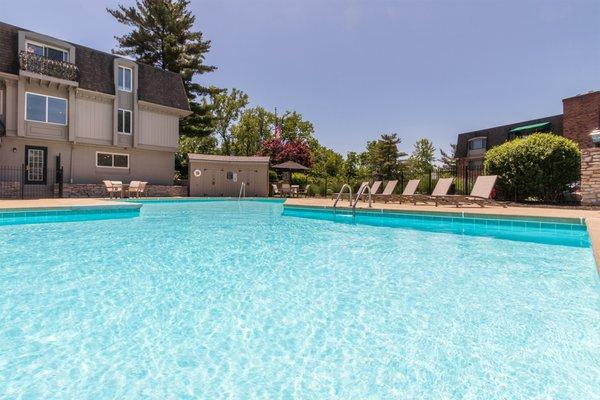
x=228, y=299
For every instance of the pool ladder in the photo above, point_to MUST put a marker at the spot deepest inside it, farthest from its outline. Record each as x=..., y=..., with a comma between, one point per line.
x=339, y=196
x=242, y=191
x=361, y=191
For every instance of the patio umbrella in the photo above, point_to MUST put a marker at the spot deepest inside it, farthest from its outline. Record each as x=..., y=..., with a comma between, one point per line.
x=289, y=167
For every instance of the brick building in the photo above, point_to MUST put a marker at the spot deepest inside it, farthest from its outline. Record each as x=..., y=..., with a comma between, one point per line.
x=581, y=116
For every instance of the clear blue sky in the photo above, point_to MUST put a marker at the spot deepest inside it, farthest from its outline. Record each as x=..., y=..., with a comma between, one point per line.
x=359, y=68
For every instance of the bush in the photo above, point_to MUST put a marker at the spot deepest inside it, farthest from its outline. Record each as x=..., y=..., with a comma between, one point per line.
x=299, y=179
x=541, y=166
x=273, y=177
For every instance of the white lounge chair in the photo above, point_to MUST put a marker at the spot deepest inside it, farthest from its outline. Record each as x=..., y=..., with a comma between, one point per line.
x=480, y=195
x=388, y=191
x=275, y=189
x=442, y=187
x=134, y=189
x=142, y=189
x=112, y=188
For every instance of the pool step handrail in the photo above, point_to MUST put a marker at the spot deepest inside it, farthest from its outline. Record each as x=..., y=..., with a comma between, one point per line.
x=344, y=186
x=242, y=190
x=361, y=191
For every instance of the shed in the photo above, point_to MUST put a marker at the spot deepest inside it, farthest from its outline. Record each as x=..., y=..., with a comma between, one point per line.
x=211, y=175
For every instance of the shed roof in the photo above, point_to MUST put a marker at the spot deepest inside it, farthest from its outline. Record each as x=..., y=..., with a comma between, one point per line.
x=233, y=159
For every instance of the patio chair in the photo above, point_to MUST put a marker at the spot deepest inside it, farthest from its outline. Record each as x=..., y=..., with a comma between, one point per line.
x=275, y=189
x=134, y=189
x=442, y=187
x=480, y=195
x=294, y=190
x=142, y=189
x=304, y=192
x=112, y=189
x=286, y=189
x=387, y=193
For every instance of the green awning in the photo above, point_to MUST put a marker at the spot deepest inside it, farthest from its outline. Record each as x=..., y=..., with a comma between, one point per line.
x=530, y=127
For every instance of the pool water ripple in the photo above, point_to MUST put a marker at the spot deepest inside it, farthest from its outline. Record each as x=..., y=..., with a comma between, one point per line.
x=234, y=300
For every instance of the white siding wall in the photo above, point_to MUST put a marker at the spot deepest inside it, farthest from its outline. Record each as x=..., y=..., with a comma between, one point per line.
x=94, y=120
x=158, y=129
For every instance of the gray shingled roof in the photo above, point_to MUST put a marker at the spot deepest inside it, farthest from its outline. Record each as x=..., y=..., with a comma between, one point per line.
x=96, y=72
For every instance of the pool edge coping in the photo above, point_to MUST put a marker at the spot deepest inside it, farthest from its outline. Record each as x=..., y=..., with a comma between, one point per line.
x=107, y=205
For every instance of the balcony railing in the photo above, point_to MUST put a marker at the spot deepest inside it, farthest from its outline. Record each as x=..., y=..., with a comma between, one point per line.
x=46, y=66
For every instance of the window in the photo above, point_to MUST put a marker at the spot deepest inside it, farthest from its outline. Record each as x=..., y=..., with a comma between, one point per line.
x=39, y=108
x=477, y=143
x=229, y=176
x=50, y=52
x=124, y=121
x=124, y=79
x=112, y=160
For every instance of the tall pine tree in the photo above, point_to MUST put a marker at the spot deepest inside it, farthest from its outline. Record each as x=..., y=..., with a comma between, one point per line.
x=163, y=35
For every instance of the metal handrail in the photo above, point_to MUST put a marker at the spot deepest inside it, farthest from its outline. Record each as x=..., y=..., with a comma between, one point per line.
x=242, y=190
x=342, y=192
x=360, y=192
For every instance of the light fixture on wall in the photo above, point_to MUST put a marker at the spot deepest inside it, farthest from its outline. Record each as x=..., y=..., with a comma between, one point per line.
x=595, y=135
x=14, y=149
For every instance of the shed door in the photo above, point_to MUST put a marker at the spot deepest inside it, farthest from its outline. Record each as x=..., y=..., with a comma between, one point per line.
x=204, y=184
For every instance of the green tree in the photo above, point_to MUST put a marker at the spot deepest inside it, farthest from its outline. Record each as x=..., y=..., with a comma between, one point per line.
x=163, y=35
x=327, y=165
x=193, y=144
x=254, y=126
x=294, y=127
x=351, y=166
x=382, y=157
x=448, y=160
x=422, y=157
x=227, y=107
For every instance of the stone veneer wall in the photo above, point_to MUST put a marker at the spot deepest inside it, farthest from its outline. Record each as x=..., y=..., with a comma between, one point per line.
x=10, y=190
x=98, y=190
x=590, y=176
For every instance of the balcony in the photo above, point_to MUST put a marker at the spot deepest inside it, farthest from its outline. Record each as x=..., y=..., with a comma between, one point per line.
x=45, y=66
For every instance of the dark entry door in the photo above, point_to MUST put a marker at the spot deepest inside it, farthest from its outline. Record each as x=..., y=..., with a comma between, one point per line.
x=36, y=164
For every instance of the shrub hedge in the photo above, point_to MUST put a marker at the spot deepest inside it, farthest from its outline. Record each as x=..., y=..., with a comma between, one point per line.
x=540, y=167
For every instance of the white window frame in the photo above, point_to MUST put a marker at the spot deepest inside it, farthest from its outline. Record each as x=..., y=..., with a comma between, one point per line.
x=124, y=89
x=113, y=159
x=477, y=138
x=46, y=117
x=65, y=52
x=130, y=121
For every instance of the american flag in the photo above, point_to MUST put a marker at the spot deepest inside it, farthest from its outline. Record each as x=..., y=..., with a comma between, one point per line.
x=277, y=130
x=277, y=127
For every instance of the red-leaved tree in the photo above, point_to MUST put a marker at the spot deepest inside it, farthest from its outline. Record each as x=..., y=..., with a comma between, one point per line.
x=280, y=151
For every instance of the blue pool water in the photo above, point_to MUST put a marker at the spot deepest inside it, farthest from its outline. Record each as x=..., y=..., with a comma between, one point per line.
x=239, y=300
